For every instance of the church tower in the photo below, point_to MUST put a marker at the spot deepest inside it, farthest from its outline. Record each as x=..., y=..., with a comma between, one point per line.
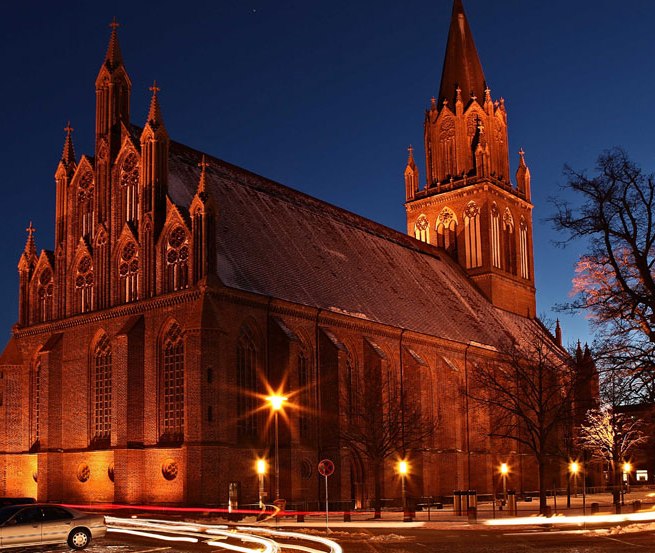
x=469, y=207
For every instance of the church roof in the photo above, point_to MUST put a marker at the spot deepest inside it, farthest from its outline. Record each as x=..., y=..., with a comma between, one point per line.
x=278, y=242
x=461, y=68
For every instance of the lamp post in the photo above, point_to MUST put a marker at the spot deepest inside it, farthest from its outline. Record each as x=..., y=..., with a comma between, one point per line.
x=504, y=471
x=574, y=468
x=261, y=471
x=627, y=469
x=403, y=469
x=276, y=402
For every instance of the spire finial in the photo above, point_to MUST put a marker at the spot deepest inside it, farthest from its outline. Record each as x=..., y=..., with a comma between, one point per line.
x=68, y=155
x=202, y=185
x=114, y=24
x=154, y=88
x=155, y=118
x=113, y=58
x=30, y=248
x=411, y=154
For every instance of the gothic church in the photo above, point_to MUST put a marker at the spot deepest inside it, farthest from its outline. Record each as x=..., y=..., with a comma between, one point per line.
x=149, y=336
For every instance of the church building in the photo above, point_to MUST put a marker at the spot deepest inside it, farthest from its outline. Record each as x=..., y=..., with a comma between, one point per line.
x=181, y=291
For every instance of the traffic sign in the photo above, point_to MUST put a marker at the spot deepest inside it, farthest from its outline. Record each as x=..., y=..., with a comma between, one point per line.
x=326, y=468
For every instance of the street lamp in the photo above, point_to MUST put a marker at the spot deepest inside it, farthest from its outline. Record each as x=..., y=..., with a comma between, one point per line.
x=261, y=472
x=627, y=469
x=504, y=471
x=403, y=469
x=276, y=402
x=575, y=468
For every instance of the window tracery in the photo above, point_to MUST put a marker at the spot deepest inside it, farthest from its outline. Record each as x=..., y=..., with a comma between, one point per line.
x=172, y=387
x=177, y=260
x=129, y=179
x=128, y=271
x=85, y=190
x=246, y=385
x=495, y=236
x=45, y=293
x=36, y=406
x=509, y=242
x=102, y=392
x=422, y=229
x=84, y=284
x=524, y=251
x=472, y=241
x=447, y=231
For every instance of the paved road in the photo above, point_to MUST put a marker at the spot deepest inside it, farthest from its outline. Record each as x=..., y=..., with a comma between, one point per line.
x=420, y=540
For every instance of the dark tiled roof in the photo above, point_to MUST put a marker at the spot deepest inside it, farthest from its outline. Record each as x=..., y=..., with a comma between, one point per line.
x=275, y=241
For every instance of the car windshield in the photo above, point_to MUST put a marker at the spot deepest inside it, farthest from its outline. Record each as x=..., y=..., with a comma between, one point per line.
x=7, y=512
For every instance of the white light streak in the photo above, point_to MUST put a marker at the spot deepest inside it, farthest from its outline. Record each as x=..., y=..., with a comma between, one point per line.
x=153, y=536
x=646, y=516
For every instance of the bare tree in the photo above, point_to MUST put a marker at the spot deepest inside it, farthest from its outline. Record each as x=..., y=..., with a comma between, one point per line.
x=615, y=279
x=530, y=394
x=609, y=436
x=383, y=422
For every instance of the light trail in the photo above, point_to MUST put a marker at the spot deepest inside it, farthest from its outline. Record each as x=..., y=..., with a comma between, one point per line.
x=334, y=547
x=646, y=516
x=153, y=536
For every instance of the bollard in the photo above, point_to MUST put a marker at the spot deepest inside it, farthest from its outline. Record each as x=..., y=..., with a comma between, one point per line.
x=300, y=517
x=457, y=502
x=511, y=502
x=346, y=516
x=636, y=506
x=472, y=513
x=595, y=507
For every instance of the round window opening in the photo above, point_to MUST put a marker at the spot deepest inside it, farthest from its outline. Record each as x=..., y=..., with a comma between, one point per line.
x=169, y=469
x=83, y=472
x=306, y=469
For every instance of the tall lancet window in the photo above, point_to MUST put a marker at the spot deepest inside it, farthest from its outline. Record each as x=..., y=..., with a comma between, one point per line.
x=304, y=396
x=495, y=236
x=84, y=285
x=472, y=236
x=447, y=231
x=85, y=204
x=177, y=260
x=102, y=392
x=422, y=229
x=247, y=400
x=35, y=422
x=172, y=385
x=128, y=271
x=45, y=292
x=130, y=187
x=523, y=243
x=509, y=242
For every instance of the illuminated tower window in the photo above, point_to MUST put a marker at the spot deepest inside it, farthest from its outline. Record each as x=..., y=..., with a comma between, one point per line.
x=495, y=236
x=84, y=284
x=523, y=236
x=128, y=271
x=422, y=229
x=85, y=203
x=177, y=260
x=172, y=385
x=102, y=384
x=447, y=231
x=45, y=292
x=509, y=241
x=129, y=179
x=472, y=236
x=247, y=402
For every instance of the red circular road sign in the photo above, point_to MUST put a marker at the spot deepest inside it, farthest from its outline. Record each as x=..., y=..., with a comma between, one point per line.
x=326, y=467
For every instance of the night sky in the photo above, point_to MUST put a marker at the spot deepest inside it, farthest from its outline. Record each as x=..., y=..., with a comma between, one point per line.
x=325, y=97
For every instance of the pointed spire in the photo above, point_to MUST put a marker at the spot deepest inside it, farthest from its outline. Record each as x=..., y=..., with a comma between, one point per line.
x=558, y=333
x=578, y=353
x=113, y=57
x=30, y=246
x=155, y=119
x=410, y=158
x=523, y=176
x=462, y=67
x=68, y=155
x=202, y=184
x=411, y=175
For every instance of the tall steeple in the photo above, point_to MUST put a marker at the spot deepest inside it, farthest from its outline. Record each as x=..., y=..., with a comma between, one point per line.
x=461, y=68
x=469, y=206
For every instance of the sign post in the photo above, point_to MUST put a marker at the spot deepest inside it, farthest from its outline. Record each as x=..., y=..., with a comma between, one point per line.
x=325, y=469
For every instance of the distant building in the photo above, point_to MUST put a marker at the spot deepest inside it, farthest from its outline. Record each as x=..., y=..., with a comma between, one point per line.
x=182, y=289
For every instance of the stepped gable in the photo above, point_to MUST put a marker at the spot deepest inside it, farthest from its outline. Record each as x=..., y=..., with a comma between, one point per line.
x=278, y=242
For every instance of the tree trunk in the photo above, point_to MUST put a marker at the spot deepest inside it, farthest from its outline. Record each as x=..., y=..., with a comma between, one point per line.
x=377, y=490
x=616, y=486
x=542, y=487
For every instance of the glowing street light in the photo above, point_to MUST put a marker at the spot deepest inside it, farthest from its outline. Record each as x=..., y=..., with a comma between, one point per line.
x=627, y=469
x=504, y=471
x=574, y=469
x=403, y=470
x=262, y=468
x=276, y=403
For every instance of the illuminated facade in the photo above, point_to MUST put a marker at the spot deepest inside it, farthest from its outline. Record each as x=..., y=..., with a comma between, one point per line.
x=181, y=289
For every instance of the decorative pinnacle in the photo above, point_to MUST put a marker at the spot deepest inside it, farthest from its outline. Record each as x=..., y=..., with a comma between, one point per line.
x=154, y=88
x=114, y=24
x=114, y=57
x=30, y=248
x=202, y=185
x=522, y=158
x=68, y=155
x=154, y=115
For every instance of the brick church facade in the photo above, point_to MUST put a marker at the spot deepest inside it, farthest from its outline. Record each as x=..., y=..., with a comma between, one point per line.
x=182, y=289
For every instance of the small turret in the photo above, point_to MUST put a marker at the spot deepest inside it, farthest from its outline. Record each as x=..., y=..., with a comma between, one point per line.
x=558, y=333
x=411, y=176
x=202, y=215
x=523, y=176
x=26, y=265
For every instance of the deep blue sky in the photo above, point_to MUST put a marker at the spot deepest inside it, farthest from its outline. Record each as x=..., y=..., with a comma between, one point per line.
x=325, y=96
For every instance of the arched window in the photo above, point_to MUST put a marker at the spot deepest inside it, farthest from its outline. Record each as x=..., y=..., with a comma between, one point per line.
x=472, y=236
x=422, y=229
x=45, y=292
x=304, y=397
x=35, y=437
x=129, y=179
x=352, y=388
x=509, y=242
x=495, y=236
x=523, y=241
x=447, y=231
x=85, y=204
x=172, y=385
x=84, y=284
x=246, y=385
x=177, y=258
x=102, y=392
x=128, y=271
